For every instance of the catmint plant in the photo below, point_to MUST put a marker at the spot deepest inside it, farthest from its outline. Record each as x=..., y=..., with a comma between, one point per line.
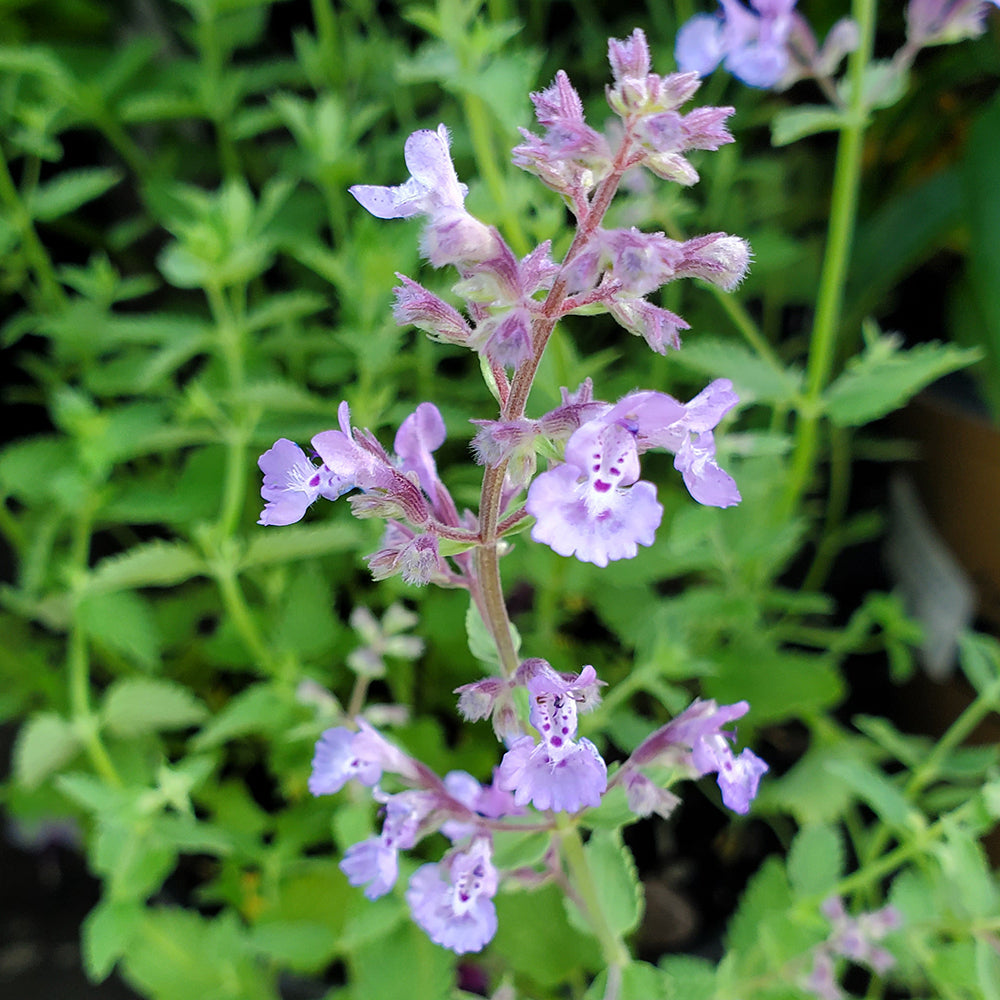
x=588, y=503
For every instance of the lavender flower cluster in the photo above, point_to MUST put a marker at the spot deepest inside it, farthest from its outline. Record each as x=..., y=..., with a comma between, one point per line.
x=769, y=44
x=589, y=503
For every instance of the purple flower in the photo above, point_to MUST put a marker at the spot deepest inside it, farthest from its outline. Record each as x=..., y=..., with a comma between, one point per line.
x=372, y=864
x=751, y=44
x=452, y=235
x=292, y=482
x=359, y=458
x=594, y=505
x=694, y=741
x=453, y=900
x=560, y=772
x=342, y=754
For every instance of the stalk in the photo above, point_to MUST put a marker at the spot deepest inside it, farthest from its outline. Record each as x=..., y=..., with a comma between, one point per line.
x=829, y=304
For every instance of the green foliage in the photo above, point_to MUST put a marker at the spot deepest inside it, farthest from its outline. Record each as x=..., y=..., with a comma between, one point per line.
x=184, y=279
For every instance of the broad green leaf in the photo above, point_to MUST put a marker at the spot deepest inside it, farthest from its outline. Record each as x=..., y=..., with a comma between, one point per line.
x=549, y=957
x=106, y=933
x=137, y=705
x=151, y=564
x=131, y=856
x=883, y=377
x=178, y=955
x=815, y=860
x=123, y=622
x=306, y=624
x=766, y=893
x=301, y=945
x=45, y=742
x=791, y=124
x=403, y=955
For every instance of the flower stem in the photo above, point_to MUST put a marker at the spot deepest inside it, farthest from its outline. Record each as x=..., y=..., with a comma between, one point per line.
x=829, y=303
x=612, y=947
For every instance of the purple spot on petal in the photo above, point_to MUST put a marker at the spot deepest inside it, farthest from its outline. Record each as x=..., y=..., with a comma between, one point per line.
x=601, y=486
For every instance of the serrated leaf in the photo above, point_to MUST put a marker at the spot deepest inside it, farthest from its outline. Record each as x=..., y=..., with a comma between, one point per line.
x=123, y=622
x=616, y=880
x=306, y=625
x=70, y=189
x=22, y=461
x=753, y=378
x=152, y=564
x=138, y=705
x=884, y=377
x=105, y=935
x=791, y=124
x=815, y=860
x=45, y=742
x=279, y=545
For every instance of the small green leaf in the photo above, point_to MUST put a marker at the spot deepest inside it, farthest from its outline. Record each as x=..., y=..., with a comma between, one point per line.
x=689, y=978
x=302, y=945
x=280, y=545
x=752, y=376
x=105, y=935
x=815, y=860
x=70, y=189
x=874, y=788
x=123, y=622
x=151, y=564
x=258, y=709
x=138, y=705
x=616, y=880
x=481, y=643
x=791, y=124
x=884, y=377
x=45, y=742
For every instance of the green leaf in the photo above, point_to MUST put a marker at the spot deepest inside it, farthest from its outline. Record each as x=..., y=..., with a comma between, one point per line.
x=689, y=978
x=481, y=643
x=280, y=545
x=639, y=981
x=106, y=933
x=883, y=377
x=123, y=622
x=404, y=955
x=549, y=957
x=178, y=955
x=151, y=564
x=791, y=124
x=258, y=709
x=874, y=788
x=306, y=625
x=752, y=377
x=45, y=742
x=616, y=880
x=138, y=705
x=302, y=945
x=815, y=860
x=979, y=657
x=70, y=189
